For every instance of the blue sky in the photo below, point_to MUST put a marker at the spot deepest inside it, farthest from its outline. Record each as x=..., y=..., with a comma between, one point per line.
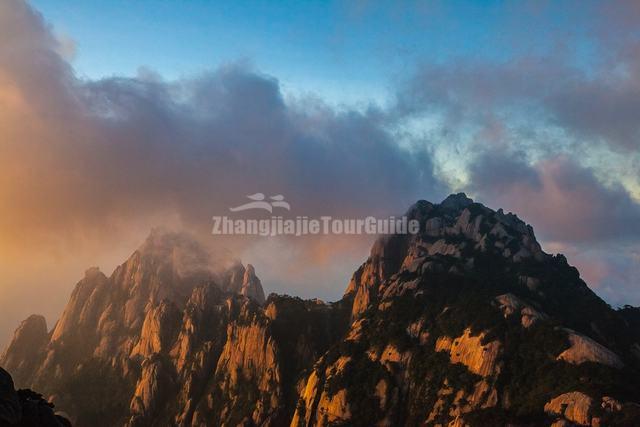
x=345, y=51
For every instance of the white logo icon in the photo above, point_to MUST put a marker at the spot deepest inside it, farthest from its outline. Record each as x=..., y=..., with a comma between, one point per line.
x=259, y=202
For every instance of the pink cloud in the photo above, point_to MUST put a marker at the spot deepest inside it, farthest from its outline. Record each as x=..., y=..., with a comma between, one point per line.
x=563, y=200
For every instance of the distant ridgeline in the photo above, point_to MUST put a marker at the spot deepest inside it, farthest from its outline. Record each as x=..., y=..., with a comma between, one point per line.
x=467, y=323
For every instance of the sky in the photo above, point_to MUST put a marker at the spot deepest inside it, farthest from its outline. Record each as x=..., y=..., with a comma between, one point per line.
x=119, y=116
x=348, y=52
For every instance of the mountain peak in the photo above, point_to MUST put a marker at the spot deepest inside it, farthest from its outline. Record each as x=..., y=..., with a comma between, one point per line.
x=456, y=201
x=30, y=337
x=251, y=286
x=92, y=273
x=467, y=322
x=169, y=264
x=242, y=280
x=180, y=249
x=454, y=235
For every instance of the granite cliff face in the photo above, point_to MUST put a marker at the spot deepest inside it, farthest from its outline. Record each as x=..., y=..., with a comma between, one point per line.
x=471, y=323
x=151, y=334
x=468, y=322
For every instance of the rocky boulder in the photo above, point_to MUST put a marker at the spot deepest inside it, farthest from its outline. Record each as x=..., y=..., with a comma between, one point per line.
x=25, y=408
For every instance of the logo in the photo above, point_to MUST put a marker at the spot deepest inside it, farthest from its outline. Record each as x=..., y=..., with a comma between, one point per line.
x=278, y=225
x=259, y=202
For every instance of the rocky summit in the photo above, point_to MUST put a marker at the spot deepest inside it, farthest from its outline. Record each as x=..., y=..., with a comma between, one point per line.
x=468, y=323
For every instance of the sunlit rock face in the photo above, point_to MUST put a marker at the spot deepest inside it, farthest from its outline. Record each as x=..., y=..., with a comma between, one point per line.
x=467, y=322
x=138, y=332
x=30, y=338
x=243, y=280
x=575, y=407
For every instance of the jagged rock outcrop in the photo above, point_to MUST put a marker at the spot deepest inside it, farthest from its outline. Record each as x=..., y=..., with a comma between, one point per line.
x=25, y=408
x=584, y=349
x=578, y=408
x=574, y=407
x=30, y=338
x=467, y=323
x=243, y=281
x=472, y=351
x=158, y=330
x=136, y=334
x=512, y=305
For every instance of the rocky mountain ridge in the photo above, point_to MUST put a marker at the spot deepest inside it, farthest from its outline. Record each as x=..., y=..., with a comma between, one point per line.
x=468, y=322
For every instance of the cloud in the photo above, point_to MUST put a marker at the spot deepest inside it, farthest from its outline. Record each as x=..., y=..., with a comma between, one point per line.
x=99, y=150
x=596, y=226
x=551, y=134
x=610, y=270
x=596, y=104
x=606, y=108
x=89, y=166
x=565, y=200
